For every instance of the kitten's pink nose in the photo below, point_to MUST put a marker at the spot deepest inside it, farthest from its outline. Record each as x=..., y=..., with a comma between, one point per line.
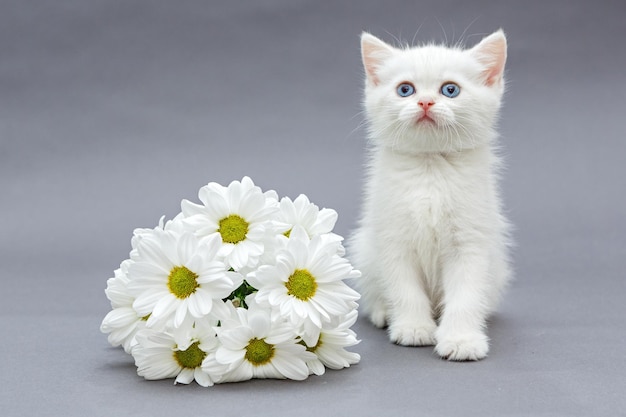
x=425, y=103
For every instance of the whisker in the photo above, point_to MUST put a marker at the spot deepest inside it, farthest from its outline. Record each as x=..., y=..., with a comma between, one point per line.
x=461, y=41
x=445, y=35
x=416, y=32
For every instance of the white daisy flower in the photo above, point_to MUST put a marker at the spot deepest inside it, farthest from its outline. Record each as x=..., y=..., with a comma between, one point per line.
x=122, y=322
x=316, y=222
x=254, y=346
x=330, y=347
x=139, y=233
x=174, y=276
x=158, y=356
x=303, y=213
x=239, y=214
x=177, y=302
x=306, y=283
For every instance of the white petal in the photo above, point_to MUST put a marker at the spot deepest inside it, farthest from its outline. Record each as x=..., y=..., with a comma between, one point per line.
x=251, y=203
x=288, y=210
x=181, y=313
x=215, y=187
x=237, y=338
x=300, y=253
x=199, y=303
x=247, y=183
x=119, y=317
x=238, y=258
x=211, y=245
x=242, y=372
x=213, y=368
x=216, y=206
x=147, y=272
x=335, y=272
x=234, y=196
x=263, y=277
x=302, y=201
x=340, y=291
x=211, y=271
x=267, y=371
x=228, y=357
x=151, y=251
x=184, y=377
x=299, y=235
x=234, y=279
x=276, y=296
x=202, y=378
x=200, y=224
x=311, y=333
x=256, y=233
x=316, y=367
x=337, y=358
x=328, y=303
x=219, y=310
x=259, y=323
x=326, y=220
x=218, y=288
x=281, y=334
x=292, y=368
x=164, y=307
x=191, y=209
x=186, y=247
x=271, y=196
x=147, y=300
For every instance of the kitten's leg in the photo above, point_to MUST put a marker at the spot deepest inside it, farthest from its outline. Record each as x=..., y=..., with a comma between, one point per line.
x=461, y=333
x=363, y=256
x=410, y=315
x=499, y=276
x=375, y=305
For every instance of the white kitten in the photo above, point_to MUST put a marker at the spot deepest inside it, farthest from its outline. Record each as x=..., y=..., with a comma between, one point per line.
x=432, y=242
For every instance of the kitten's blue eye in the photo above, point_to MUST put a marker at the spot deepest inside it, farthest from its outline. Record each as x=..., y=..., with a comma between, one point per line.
x=450, y=90
x=405, y=90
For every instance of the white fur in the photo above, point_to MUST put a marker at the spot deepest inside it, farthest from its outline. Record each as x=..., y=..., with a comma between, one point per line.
x=432, y=241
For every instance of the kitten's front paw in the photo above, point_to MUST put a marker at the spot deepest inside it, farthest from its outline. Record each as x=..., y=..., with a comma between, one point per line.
x=462, y=347
x=378, y=314
x=379, y=318
x=412, y=335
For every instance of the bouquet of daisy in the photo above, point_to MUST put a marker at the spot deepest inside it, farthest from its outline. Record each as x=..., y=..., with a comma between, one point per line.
x=241, y=286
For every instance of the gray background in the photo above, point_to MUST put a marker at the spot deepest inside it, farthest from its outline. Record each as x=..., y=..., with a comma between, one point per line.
x=113, y=111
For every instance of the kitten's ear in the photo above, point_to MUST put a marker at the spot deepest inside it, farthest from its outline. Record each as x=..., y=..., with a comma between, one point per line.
x=373, y=52
x=491, y=53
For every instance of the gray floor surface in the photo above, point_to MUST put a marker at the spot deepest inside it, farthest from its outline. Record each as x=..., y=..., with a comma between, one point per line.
x=111, y=112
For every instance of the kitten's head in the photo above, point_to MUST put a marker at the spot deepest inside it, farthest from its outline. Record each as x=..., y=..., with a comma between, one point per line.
x=433, y=98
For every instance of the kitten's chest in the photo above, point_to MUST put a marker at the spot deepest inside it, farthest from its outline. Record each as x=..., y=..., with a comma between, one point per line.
x=423, y=196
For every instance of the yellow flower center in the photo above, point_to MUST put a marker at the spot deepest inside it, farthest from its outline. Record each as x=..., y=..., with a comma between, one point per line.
x=191, y=358
x=301, y=284
x=259, y=352
x=182, y=282
x=233, y=229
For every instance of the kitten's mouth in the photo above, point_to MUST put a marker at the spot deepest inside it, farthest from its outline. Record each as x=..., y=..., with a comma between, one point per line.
x=425, y=119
